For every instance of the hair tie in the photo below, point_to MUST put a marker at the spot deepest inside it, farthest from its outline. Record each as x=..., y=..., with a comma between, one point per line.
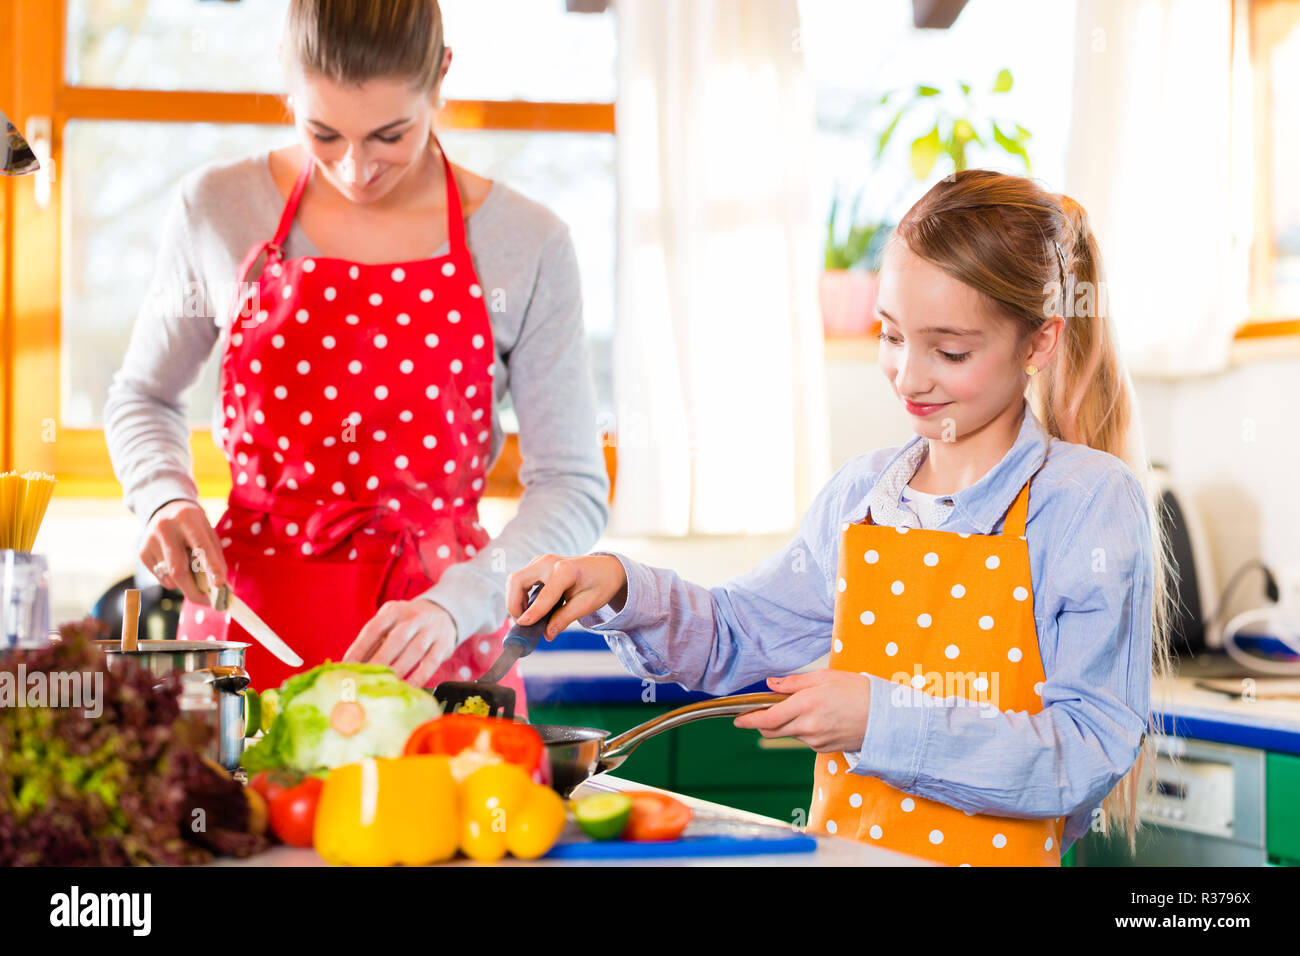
x=1060, y=255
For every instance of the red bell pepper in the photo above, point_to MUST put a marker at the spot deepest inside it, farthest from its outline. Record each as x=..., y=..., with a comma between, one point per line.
x=451, y=734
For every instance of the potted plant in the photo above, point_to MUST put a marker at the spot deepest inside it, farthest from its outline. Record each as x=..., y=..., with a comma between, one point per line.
x=847, y=289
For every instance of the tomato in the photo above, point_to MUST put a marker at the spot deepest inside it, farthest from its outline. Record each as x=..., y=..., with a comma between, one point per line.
x=450, y=734
x=655, y=816
x=293, y=812
x=271, y=783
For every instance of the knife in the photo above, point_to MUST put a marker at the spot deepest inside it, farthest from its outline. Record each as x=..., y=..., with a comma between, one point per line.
x=226, y=600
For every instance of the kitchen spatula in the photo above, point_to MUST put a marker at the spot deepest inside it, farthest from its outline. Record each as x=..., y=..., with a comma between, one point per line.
x=519, y=642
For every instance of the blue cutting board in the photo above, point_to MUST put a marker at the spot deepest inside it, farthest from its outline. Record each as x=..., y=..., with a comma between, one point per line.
x=686, y=846
x=708, y=834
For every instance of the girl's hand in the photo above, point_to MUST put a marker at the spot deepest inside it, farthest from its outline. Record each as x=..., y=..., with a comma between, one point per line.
x=826, y=709
x=583, y=584
x=178, y=543
x=412, y=637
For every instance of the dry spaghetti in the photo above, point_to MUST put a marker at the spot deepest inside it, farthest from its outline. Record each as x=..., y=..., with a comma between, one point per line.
x=23, y=500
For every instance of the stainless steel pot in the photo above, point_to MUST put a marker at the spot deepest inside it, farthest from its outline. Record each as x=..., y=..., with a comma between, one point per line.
x=213, y=683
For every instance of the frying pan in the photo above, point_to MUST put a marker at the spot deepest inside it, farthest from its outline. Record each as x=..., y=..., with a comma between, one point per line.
x=577, y=753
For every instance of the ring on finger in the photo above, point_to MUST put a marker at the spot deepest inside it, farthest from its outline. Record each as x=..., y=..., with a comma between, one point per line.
x=161, y=569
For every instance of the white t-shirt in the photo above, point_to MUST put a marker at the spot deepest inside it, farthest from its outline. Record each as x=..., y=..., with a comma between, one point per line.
x=932, y=510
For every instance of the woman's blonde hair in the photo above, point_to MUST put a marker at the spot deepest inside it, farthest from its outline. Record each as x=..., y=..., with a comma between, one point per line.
x=999, y=234
x=352, y=41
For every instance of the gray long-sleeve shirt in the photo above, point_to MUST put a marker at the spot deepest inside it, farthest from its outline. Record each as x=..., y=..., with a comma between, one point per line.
x=527, y=267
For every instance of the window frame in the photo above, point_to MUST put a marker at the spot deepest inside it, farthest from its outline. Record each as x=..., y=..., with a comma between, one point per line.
x=31, y=433
x=1264, y=21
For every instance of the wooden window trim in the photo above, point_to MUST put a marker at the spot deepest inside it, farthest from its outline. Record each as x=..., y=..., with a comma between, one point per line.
x=1269, y=21
x=31, y=436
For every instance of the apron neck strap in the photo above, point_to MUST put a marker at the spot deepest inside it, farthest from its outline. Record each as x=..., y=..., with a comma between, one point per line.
x=1019, y=513
x=290, y=210
x=455, y=217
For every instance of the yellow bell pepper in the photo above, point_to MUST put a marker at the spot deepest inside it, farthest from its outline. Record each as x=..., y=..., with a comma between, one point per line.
x=489, y=799
x=384, y=811
x=535, y=826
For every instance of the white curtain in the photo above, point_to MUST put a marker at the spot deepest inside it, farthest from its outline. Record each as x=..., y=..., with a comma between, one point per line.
x=722, y=424
x=1159, y=158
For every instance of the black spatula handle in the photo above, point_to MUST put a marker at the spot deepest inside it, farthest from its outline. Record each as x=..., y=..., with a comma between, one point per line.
x=527, y=636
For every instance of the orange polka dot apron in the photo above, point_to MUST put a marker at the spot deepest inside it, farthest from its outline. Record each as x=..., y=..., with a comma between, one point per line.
x=357, y=404
x=952, y=615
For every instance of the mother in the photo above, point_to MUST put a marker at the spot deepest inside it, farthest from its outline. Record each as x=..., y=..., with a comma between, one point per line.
x=360, y=375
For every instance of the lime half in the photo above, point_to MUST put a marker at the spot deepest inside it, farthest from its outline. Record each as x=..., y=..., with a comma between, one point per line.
x=603, y=816
x=252, y=712
x=270, y=707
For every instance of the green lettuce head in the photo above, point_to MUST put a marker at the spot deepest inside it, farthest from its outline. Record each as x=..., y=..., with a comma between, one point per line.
x=337, y=714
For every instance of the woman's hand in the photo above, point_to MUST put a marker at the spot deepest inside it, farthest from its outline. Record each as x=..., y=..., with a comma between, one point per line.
x=179, y=542
x=826, y=709
x=584, y=584
x=414, y=638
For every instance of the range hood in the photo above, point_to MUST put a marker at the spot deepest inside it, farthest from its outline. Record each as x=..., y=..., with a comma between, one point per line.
x=16, y=157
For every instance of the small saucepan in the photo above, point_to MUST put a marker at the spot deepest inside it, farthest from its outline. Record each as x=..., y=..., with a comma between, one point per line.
x=577, y=753
x=213, y=680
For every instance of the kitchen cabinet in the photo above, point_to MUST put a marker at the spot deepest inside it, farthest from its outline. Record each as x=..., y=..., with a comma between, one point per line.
x=1282, y=789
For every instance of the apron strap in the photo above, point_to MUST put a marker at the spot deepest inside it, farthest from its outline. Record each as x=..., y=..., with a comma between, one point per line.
x=1018, y=514
x=455, y=215
x=290, y=210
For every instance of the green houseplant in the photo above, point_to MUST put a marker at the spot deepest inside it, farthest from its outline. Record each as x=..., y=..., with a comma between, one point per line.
x=847, y=290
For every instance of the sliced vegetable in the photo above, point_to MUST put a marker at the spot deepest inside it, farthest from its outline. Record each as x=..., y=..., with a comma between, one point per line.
x=474, y=705
x=604, y=815
x=655, y=816
x=270, y=699
x=293, y=812
x=453, y=734
x=380, y=812
x=252, y=712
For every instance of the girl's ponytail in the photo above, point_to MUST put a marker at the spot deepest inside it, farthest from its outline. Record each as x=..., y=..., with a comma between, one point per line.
x=1086, y=396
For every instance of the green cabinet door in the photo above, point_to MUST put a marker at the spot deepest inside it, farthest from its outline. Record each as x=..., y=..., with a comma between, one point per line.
x=651, y=762
x=1282, y=797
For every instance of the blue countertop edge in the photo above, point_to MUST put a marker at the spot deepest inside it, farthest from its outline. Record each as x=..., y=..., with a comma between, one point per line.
x=588, y=690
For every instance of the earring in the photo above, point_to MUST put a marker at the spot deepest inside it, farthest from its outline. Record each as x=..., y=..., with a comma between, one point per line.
x=1031, y=369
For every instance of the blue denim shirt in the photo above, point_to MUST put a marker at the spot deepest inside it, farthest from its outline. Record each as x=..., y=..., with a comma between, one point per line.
x=1090, y=553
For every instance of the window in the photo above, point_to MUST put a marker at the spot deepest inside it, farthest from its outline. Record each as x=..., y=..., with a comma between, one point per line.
x=153, y=88
x=856, y=52
x=1274, y=45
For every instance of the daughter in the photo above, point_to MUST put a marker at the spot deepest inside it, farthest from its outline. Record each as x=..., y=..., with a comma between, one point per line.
x=990, y=593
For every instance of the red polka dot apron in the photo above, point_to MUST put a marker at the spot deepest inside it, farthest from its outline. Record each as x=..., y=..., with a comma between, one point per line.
x=357, y=406
x=951, y=615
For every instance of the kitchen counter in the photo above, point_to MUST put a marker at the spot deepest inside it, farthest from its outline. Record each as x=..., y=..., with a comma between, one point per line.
x=1187, y=710
x=830, y=851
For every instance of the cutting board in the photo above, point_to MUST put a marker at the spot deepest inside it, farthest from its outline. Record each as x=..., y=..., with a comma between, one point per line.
x=705, y=836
